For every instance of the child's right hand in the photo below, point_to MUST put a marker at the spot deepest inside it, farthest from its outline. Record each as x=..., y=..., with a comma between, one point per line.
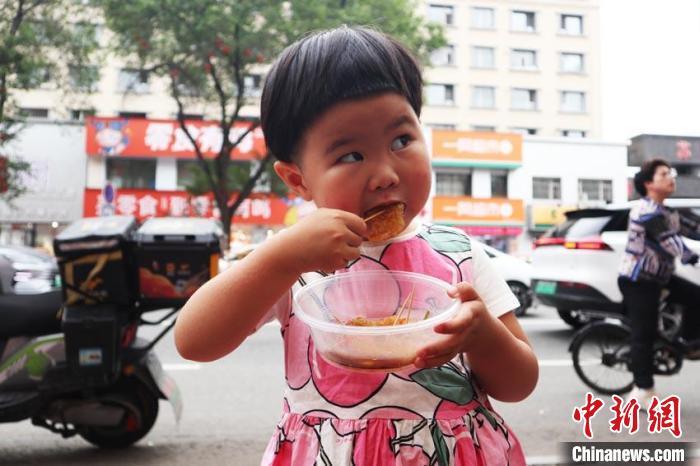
x=325, y=240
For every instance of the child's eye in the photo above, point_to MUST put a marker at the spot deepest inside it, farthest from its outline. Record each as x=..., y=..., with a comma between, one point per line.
x=400, y=142
x=351, y=157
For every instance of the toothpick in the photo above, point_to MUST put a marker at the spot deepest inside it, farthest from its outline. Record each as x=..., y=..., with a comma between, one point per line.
x=374, y=215
x=427, y=314
x=410, y=296
x=410, y=307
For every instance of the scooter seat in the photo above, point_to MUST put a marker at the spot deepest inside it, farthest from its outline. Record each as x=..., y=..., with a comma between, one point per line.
x=30, y=314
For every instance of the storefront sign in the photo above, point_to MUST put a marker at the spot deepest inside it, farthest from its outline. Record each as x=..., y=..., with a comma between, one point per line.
x=126, y=137
x=674, y=149
x=471, y=211
x=143, y=203
x=468, y=148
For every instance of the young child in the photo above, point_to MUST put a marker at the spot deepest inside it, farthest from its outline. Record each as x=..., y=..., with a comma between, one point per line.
x=340, y=112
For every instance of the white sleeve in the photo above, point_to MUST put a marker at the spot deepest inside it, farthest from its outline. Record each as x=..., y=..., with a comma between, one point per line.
x=490, y=285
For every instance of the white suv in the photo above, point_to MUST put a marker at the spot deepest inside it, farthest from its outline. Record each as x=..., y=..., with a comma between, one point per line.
x=575, y=264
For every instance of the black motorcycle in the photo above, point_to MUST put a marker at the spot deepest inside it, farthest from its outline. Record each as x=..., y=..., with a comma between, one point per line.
x=70, y=360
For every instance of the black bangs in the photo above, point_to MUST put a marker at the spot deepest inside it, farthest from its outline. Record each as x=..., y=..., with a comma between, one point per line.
x=328, y=67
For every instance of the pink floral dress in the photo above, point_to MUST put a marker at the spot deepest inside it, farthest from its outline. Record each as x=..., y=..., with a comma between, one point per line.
x=435, y=416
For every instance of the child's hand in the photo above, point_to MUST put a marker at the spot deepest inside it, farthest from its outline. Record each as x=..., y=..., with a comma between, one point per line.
x=326, y=240
x=467, y=330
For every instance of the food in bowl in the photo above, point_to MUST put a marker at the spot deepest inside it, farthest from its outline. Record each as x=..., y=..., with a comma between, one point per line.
x=385, y=222
x=374, y=320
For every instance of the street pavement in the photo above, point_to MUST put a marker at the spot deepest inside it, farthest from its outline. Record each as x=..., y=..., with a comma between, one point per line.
x=231, y=407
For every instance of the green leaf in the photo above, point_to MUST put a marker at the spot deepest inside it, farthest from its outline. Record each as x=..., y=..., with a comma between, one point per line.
x=445, y=383
x=441, y=450
x=447, y=241
x=489, y=417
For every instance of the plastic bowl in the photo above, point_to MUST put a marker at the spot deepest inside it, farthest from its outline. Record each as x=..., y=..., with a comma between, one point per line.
x=327, y=305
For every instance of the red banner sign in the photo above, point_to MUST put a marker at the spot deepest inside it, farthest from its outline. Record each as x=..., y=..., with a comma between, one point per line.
x=144, y=203
x=127, y=137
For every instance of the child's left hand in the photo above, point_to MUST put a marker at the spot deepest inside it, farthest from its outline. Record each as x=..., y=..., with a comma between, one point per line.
x=467, y=330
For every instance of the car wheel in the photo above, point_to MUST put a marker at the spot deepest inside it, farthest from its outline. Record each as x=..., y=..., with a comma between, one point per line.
x=576, y=319
x=521, y=292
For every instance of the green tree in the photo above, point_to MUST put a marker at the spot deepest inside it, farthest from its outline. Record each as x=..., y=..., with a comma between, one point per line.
x=42, y=42
x=215, y=51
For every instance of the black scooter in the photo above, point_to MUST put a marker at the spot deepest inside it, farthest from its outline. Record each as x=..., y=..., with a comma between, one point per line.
x=71, y=361
x=111, y=399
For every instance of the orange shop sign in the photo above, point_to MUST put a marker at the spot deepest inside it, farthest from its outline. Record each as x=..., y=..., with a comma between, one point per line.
x=471, y=211
x=144, y=203
x=127, y=137
x=477, y=148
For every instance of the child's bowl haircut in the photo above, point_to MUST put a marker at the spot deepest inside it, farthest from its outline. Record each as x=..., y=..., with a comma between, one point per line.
x=328, y=67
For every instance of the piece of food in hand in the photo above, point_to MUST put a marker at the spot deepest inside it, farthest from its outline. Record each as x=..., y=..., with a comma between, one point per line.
x=385, y=222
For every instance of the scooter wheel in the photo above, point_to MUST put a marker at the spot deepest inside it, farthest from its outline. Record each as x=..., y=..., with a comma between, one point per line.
x=142, y=410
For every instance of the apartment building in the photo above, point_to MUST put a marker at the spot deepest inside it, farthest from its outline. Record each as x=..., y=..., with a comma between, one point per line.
x=530, y=67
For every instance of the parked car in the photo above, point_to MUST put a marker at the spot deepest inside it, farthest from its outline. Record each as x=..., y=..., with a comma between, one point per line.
x=516, y=272
x=25, y=270
x=575, y=264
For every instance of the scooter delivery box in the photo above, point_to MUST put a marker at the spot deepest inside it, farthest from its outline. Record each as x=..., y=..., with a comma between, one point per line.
x=92, y=335
x=94, y=256
x=174, y=257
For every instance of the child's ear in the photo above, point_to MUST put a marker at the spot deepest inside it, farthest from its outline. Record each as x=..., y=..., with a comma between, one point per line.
x=291, y=174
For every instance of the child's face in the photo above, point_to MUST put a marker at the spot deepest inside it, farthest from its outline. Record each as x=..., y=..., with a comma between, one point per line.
x=361, y=154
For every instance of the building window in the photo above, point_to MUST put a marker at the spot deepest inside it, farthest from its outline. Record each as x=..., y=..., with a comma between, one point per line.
x=252, y=85
x=524, y=131
x=36, y=113
x=483, y=57
x=595, y=190
x=546, y=188
x=571, y=24
x=522, y=21
x=440, y=94
x=132, y=114
x=523, y=99
x=483, y=18
x=573, y=101
x=499, y=183
x=80, y=114
x=444, y=56
x=573, y=133
x=443, y=14
x=484, y=128
x=127, y=173
x=483, y=97
x=191, y=116
x=444, y=126
x=453, y=183
x=571, y=62
x=521, y=59
x=186, y=173
x=83, y=78
x=133, y=80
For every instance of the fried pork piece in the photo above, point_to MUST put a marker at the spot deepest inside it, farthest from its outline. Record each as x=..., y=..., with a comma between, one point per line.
x=385, y=222
x=385, y=321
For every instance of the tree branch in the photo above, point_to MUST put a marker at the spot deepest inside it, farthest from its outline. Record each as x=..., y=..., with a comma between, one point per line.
x=250, y=184
x=181, y=122
x=220, y=93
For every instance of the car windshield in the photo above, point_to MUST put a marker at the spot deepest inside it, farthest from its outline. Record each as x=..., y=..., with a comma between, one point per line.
x=580, y=227
x=26, y=257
